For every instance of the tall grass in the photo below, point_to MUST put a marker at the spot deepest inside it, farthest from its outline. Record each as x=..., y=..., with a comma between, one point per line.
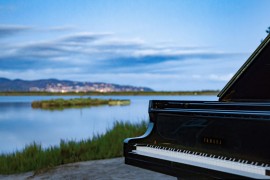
x=34, y=157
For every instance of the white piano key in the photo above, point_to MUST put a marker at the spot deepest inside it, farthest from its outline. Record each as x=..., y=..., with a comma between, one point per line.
x=240, y=167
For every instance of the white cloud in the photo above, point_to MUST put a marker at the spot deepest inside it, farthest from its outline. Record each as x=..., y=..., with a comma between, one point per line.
x=218, y=77
x=61, y=28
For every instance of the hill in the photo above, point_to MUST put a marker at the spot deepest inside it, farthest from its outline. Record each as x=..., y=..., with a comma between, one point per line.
x=55, y=85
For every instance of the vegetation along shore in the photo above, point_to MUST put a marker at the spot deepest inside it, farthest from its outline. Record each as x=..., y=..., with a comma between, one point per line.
x=129, y=93
x=77, y=102
x=35, y=158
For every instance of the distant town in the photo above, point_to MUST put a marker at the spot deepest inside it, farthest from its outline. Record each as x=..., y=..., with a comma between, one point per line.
x=64, y=86
x=94, y=87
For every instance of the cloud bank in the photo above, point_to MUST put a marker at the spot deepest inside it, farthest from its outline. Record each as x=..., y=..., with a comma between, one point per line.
x=104, y=56
x=9, y=30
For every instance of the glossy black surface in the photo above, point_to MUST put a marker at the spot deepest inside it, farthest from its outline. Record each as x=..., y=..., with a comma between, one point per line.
x=238, y=131
x=225, y=136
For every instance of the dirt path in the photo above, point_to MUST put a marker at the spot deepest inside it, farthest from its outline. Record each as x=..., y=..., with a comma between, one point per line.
x=100, y=170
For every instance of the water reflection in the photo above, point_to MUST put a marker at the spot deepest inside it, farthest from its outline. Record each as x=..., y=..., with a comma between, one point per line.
x=21, y=125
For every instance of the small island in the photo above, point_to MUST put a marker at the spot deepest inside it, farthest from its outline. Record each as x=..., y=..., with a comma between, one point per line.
x=77, y=102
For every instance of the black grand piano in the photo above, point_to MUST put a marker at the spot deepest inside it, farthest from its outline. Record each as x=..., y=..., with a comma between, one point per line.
x=225, y=139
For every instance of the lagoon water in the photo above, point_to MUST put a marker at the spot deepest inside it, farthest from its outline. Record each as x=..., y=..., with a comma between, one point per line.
x=21, y=125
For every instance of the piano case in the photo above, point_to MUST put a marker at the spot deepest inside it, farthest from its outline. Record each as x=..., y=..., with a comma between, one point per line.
x=225, y=139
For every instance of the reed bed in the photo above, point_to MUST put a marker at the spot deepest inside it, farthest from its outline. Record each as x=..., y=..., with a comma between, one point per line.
x=76, y=102
x=35, y=158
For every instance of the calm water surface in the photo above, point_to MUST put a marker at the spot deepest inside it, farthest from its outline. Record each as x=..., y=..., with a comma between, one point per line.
x=21, y=125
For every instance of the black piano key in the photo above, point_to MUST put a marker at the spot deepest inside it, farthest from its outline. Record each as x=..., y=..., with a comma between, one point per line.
x=267, y=172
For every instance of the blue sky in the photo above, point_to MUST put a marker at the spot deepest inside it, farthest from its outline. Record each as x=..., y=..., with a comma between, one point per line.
x=165, y=45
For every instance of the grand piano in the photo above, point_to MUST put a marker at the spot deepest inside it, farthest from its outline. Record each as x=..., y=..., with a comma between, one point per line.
x=224, y=139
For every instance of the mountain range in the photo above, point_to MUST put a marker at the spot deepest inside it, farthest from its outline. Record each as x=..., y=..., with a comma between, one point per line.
x=55, y=85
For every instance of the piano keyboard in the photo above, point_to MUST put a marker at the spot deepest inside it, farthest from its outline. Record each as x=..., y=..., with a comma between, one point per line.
x=218, y=163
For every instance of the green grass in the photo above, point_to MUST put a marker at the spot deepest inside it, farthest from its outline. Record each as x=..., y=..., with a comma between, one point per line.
x=35, y=158
x=76, y=102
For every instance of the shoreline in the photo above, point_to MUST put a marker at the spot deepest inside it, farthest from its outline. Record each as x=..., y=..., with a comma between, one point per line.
x=101, y=146
x=151, y=93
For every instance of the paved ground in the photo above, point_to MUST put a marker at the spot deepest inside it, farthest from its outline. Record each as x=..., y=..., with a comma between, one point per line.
x=97, y=170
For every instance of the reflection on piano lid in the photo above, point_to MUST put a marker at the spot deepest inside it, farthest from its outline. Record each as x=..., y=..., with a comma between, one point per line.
x=221, y=139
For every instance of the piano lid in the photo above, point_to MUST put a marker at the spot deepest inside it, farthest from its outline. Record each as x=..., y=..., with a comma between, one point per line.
x=252, y=81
